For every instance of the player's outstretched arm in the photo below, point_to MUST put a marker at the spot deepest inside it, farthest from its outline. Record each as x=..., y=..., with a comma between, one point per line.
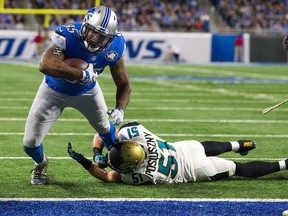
x=104, y=175
x=52, y=63
x=93, y=169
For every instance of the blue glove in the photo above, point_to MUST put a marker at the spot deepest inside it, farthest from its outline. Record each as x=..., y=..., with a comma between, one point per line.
x=75, y=155
x=100, y=160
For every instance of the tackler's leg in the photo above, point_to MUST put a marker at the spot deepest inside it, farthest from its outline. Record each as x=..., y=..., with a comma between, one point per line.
x=256, y=169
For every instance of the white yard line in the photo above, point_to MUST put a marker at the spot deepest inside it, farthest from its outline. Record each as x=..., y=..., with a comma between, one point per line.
x=160, y=108
x=238, y=121
x=163, y=135
x=68, y=158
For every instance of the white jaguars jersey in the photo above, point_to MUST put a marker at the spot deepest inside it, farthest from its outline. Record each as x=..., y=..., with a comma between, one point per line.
x=164, y=163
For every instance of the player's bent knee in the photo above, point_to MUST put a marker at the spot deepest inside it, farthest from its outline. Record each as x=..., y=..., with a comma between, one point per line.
x=30, y=142
x=103, y=127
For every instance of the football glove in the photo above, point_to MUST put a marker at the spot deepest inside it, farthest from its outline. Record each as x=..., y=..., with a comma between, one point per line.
x=101, y=161
x=88, y=75
x=117, y=115
x=75, y=155
x=99, y=158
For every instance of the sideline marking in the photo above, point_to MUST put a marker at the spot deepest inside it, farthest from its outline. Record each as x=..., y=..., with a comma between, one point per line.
x=145, y=199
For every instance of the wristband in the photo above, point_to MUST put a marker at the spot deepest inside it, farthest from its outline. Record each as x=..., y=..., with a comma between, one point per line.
x=121, y=110
x=97, y=151
x=84, y=75
x=86, y=163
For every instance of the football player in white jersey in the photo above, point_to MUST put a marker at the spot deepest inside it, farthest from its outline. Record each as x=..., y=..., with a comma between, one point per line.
x=141, y=157
x=96, y=41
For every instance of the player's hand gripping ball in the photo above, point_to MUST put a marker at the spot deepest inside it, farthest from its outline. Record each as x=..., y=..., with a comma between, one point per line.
x=285, y=43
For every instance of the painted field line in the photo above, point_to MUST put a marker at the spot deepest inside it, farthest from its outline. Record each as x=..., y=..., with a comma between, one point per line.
x=168, y=100
x=246, y=121
x=160, y=108
x=162, y=135
x=68, y=158
x=145, y=199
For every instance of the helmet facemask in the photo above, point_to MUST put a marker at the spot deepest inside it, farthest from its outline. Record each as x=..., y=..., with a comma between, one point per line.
x=98, y=29
x=125, y=156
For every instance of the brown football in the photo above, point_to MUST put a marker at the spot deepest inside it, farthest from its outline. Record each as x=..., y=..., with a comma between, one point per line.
x=76, y=63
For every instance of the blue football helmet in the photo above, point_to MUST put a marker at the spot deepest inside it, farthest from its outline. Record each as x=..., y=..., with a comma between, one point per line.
x=98, y=29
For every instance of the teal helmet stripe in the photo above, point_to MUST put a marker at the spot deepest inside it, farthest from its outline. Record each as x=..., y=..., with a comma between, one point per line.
x=106, y=18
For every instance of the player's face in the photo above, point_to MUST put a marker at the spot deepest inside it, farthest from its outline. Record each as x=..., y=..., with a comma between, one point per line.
x=95, y=39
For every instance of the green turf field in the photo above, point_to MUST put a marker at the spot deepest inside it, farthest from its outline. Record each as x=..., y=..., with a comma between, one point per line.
x=176, y=102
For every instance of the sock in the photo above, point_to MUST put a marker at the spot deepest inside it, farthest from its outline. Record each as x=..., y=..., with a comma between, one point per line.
x=235, y=146
x=256, y=169
x=213, y=148
x=36, y=154
x=110, y=137
x=283, y=164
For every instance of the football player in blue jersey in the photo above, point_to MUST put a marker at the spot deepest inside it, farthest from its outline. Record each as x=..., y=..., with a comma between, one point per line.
x=141, y=157
x=96, y=41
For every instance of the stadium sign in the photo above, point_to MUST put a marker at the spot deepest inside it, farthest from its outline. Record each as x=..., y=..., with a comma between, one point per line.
x=142, y=47
x=17, y=45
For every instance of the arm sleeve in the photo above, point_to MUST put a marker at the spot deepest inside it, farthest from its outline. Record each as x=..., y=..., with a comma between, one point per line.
x=59, y=40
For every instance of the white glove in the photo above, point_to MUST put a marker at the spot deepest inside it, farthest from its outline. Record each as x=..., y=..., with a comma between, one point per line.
x=88, y=75
x=117, y=115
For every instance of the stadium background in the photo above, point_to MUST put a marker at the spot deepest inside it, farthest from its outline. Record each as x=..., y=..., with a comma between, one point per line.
x=203, y=31
x=206, y=30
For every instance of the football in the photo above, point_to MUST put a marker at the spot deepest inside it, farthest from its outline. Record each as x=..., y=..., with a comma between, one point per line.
x=76, y=63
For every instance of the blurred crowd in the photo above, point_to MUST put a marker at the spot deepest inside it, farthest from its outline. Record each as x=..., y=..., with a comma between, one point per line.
x=256, y=15
x=165, y=15
x=133, y=15
x=15, y=21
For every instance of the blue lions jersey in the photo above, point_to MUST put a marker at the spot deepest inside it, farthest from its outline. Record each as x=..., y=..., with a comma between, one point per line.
x=67, y=38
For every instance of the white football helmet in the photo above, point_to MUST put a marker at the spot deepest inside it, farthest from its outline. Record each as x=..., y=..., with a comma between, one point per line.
x=98, y=29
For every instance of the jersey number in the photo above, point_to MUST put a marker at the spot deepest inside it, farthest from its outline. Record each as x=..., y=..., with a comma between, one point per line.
x=132, y=132
x=165, y=166
x=137, y=178
x=166, y=169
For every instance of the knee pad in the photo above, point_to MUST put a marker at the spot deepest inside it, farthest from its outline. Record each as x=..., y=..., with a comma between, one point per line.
x=30, y=142
x=103, y=127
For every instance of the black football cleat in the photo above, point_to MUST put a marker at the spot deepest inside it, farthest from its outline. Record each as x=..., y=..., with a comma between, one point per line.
x=246, y=146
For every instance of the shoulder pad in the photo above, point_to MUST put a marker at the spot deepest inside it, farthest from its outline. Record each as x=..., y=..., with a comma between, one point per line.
x=129, y=124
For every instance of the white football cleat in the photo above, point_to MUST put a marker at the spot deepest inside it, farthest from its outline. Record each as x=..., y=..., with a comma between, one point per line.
x=39, y=175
